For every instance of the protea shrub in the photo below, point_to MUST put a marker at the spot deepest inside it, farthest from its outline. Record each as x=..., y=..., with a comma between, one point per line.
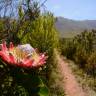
x=22, y=55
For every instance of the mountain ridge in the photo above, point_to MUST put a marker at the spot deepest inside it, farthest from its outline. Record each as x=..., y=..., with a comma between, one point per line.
x=69, y=27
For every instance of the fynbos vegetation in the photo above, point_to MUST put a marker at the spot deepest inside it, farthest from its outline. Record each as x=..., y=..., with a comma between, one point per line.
x=81, y=49
x=36, y=28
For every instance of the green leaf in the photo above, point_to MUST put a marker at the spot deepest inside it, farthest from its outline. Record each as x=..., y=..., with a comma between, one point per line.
x=44, y=91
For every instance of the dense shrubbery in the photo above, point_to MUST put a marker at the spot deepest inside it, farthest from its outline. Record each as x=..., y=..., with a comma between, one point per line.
x=40, y=33
x=91, y=63
x=81, y=49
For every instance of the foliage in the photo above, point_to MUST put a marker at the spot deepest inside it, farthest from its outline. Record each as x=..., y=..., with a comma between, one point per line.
x=67, y=47
x=81, y=49
x=40, y=33
x=22, y=82
x=91, y=63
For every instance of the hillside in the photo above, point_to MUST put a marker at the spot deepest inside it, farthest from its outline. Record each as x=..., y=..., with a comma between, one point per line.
x=69, y=28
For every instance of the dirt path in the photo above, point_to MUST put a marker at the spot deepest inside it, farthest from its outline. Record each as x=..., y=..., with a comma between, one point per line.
x=71, y=86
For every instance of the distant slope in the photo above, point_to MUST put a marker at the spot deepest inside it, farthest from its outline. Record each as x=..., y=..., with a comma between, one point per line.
x=69, y=28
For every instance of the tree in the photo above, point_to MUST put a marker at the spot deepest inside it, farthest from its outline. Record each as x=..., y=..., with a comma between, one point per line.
x=10, y=7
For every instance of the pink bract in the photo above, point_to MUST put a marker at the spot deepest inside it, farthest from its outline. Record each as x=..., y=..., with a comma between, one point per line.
x=18, y=56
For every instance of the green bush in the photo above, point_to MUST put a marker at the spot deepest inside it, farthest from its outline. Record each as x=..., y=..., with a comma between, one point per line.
x=37, y=29
x=81, y=49
x=91, y=64
x=67, y=47
x=80, y=57
x=41, y=34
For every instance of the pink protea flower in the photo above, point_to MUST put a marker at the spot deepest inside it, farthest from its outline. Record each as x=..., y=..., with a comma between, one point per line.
x=22, y=55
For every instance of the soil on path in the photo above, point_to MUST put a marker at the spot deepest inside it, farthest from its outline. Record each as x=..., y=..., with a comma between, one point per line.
x=71, y=86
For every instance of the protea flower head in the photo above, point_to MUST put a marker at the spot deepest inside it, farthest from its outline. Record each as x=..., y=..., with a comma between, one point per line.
x=22, y=55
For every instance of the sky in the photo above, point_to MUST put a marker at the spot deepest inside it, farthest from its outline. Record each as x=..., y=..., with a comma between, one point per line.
x=73, y=9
